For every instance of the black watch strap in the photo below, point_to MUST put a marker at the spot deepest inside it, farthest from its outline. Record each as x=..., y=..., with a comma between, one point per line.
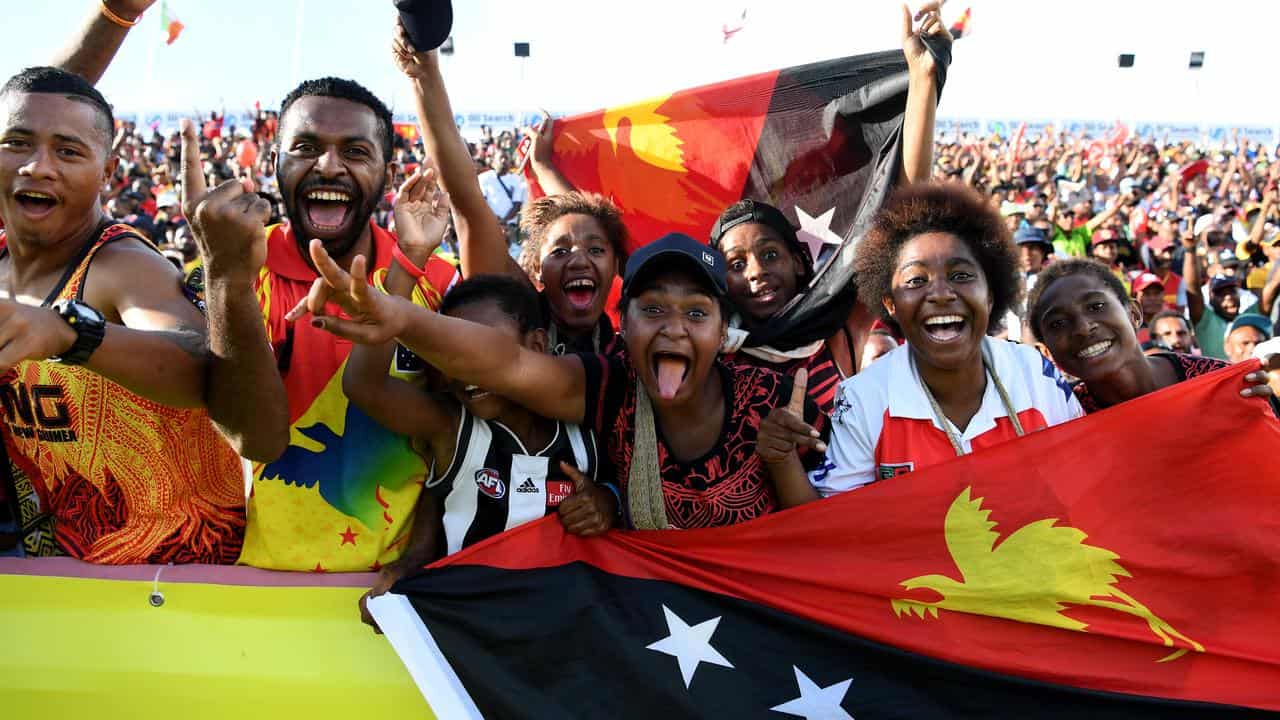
x=90, y=328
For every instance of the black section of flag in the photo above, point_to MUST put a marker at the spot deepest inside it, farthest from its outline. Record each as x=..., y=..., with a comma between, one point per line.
x=845, y=157
x=577, y=642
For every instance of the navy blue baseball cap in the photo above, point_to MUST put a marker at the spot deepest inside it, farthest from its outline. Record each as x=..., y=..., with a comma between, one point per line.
x=676, y=246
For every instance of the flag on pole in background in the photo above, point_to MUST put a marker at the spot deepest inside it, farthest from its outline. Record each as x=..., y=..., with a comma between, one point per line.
x=818, y=141
x=963, y=26
x=169, y=24
x=1059, y=575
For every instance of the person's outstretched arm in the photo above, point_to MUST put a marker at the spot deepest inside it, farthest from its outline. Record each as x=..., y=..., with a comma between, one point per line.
x=550, y=386
x=540, y=160
x=92, y=49
x=922, y=91
x=1191, y=279
x=482, y=243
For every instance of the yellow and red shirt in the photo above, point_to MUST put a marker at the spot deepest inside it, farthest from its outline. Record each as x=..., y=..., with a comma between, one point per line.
x=108, y=476
x=342, y=496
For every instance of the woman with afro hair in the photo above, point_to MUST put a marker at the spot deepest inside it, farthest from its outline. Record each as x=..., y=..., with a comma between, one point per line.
x=938, y=263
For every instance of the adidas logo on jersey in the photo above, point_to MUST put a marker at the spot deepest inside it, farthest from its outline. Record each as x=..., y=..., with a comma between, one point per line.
x=527, y=486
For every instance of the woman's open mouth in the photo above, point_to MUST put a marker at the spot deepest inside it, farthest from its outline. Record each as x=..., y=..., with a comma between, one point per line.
x=945, y=328
x=474, y=393
x=581, y=293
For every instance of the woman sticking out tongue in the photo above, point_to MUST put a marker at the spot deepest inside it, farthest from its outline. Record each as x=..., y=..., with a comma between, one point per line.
x=940, y=263
x=678, y=424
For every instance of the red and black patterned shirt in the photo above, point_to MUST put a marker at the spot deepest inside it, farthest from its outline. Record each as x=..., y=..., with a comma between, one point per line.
x=1184, y=366
x=824, y=374
x=728, y=485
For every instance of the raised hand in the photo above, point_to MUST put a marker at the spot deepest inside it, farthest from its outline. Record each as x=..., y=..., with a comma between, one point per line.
x=590, y=510
x=421, y=214
x=412, y=63
x=540, y=144
x=784, y=430
x=229, y=222
x=372, y=316
x=929, y=17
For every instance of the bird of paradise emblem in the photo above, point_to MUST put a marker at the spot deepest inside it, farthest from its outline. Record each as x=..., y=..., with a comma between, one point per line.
x=1031, y=576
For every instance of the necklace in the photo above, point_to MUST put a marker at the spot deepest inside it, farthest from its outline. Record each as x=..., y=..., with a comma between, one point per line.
x=952, y=435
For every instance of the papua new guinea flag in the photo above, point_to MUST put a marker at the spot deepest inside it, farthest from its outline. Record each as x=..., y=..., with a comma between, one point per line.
x=1121, y=565
x=819, y=141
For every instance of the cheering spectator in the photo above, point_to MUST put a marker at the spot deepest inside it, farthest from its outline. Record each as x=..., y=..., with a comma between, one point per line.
x=1244, y=334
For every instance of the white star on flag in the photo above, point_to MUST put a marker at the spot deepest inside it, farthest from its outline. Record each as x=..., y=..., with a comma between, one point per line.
x=816, y=703
x=689, y=645
x=815, y=232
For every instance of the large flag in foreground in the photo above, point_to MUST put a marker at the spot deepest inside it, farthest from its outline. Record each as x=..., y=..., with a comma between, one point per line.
x=1122, y=565
x=819, y=141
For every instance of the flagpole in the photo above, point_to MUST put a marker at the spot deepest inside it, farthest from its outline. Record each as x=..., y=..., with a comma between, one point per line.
x=297, y=41
x=149, y=83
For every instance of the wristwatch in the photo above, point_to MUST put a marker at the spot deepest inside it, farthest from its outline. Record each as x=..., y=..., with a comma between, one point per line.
x=89, y=325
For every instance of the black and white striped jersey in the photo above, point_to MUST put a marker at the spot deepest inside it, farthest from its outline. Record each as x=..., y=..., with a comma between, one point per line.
x=495, y=483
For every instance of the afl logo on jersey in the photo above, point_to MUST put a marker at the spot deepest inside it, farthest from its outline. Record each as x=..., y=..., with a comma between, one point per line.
x=490, y=483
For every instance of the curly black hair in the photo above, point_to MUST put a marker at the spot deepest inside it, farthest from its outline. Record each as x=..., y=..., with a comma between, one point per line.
x=1067, y=268
x=923, y=208
x=345, y=90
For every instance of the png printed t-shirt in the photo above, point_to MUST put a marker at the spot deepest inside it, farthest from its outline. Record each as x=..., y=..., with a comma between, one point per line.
x=342, y=496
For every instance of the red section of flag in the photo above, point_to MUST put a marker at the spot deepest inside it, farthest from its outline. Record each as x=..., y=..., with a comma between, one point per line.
x=961, y=25
x=673, y=164
x=174, y=29
x=1184, y=547
x=408, y=131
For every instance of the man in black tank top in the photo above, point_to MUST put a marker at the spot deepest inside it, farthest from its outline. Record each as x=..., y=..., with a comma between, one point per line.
x=83, y=299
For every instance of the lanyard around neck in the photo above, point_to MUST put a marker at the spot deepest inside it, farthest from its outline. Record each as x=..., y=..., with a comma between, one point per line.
x=947, y=427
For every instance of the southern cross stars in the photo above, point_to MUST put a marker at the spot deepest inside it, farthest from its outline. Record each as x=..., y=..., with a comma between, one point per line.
x=815, y=232
x=689, y=645
x=816, y=703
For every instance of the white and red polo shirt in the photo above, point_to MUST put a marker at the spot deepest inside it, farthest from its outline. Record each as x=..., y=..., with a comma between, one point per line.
x=883, y=425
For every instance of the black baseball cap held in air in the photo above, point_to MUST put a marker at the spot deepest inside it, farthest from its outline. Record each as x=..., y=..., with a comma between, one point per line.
x=428, y=22
x=680, y=247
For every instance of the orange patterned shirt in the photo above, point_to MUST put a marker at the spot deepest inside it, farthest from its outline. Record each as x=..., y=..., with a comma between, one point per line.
x=111, y=476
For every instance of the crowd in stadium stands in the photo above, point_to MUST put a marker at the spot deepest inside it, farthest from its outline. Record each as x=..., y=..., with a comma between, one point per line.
x=1142, y=262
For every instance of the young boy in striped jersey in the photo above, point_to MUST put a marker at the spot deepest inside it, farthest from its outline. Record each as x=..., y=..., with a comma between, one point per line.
x=494, y=464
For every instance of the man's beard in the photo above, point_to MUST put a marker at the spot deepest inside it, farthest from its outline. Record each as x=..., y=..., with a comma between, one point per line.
x=342, y=245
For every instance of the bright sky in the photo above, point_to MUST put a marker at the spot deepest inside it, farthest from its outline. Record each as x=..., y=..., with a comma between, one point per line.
x=1041, y=59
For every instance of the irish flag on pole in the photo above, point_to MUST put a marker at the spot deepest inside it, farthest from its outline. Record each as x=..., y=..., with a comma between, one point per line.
x=172, y=25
